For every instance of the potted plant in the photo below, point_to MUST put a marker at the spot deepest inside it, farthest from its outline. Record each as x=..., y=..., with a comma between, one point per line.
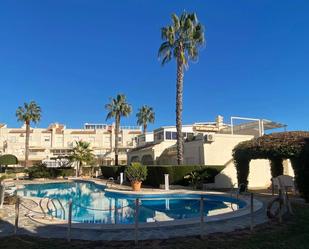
x=136, y=173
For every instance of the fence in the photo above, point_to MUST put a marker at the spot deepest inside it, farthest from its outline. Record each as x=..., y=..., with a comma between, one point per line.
x=37, y=209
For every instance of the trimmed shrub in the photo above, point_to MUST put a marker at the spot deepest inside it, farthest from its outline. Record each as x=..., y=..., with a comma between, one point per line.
x=276, y=167
x=41, y=171
x=293, y=145
x=177, y=174
x=10, y=170
x=8, y=159
x=136, y=172
x=155, y=173
x=89, y=170
x=112, y=171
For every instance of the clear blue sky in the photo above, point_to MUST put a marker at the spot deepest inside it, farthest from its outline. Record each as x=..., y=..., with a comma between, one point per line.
x=72, y=55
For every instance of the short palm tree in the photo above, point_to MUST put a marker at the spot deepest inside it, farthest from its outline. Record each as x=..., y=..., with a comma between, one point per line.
x=144, y=116
x=81, y=154
x=117, y=108
x=29, y=112
x=181, y=40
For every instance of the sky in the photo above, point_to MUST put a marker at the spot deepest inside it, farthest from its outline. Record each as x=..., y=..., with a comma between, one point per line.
x=71, y=56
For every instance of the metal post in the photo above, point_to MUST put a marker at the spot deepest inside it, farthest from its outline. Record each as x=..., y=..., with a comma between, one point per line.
x=202, y=217
x=288, y=203
x=69, y=221
x=251, y=212
x=1, y=194
x=121, y=178
x=166, y=182
x=280, y=206
x=16, y=214
x=272, y=187
x=136, y=220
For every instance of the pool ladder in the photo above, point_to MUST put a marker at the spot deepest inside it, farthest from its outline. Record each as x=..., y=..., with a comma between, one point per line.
x=50, y=210
x=111, y=181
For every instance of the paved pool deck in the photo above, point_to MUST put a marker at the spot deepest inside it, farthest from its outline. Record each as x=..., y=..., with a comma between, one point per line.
x=28, y=226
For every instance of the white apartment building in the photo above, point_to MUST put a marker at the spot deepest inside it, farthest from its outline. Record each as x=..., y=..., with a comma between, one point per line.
x=57, y=140
x=211, y=144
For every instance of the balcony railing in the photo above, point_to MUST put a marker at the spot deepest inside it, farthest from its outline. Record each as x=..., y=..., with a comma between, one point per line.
x=130, y=127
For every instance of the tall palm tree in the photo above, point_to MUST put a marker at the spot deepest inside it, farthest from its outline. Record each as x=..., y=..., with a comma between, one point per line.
x=117, y=108
x=29, y=112
x=144, y=116
x=81, y=155
x=181, y=40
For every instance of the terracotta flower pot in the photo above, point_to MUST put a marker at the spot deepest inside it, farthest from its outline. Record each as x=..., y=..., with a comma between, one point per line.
x=136, y=185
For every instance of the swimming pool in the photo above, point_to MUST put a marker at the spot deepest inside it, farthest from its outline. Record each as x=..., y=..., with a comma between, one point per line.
x=92, y=204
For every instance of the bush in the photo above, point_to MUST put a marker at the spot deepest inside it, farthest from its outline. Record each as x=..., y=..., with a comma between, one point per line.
x=112, y=171
x=293, y=145
x=177, y=174
x=41, y=171
x=155, y=173
x=89, y=170
x=136, y=172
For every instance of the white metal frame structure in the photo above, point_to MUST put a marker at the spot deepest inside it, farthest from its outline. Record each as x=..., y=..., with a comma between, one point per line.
x=260, y=121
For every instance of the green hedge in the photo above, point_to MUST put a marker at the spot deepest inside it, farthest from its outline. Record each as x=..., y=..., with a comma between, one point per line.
x=89, y=171
x=177, y=173
x=156, y=173
x=10, y=170
x=112, y=171
x=41, y=171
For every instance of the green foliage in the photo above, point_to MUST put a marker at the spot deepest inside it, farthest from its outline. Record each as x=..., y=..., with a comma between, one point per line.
x=182, y=39
x=90, y=170
x=118, y=107
x=10, y=170
x=144, y=116
x=155, y=173
x=136, y=172
x=41, y=171
x=276, y=167
x=276, y=147
x=81, y=154
x=30, y=112
x=112, y=171
x=194, y=178
x=8, y=159
x=178, y=172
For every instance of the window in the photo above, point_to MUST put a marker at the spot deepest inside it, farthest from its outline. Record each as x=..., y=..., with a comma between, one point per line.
x=159, y=135
x=46, y=139
x=168, y=135
x=174, y=135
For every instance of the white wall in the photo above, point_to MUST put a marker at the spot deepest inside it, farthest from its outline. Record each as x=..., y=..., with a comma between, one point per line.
x=194, y=152
x=219, y=152
x=259, y=174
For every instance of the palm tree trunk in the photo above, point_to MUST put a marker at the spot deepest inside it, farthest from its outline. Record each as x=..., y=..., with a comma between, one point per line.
x=27, y=143
x=117, y=119
x=179, y=104
x=145, y=128
x=76, y=172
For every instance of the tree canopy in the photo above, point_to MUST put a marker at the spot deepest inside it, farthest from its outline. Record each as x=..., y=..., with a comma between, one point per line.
x=276, y=147
x=8, y=159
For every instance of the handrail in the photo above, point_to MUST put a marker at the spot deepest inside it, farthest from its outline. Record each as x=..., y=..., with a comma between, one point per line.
x=110, y=180
x=55, y=207
x=62, y=207
x=40, y=204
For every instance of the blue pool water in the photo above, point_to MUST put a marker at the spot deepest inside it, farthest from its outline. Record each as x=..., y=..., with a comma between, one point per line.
x=91, y=204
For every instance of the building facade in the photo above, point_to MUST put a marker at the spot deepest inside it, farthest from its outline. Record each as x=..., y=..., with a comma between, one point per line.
x=56, y=140
x=211, y=144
